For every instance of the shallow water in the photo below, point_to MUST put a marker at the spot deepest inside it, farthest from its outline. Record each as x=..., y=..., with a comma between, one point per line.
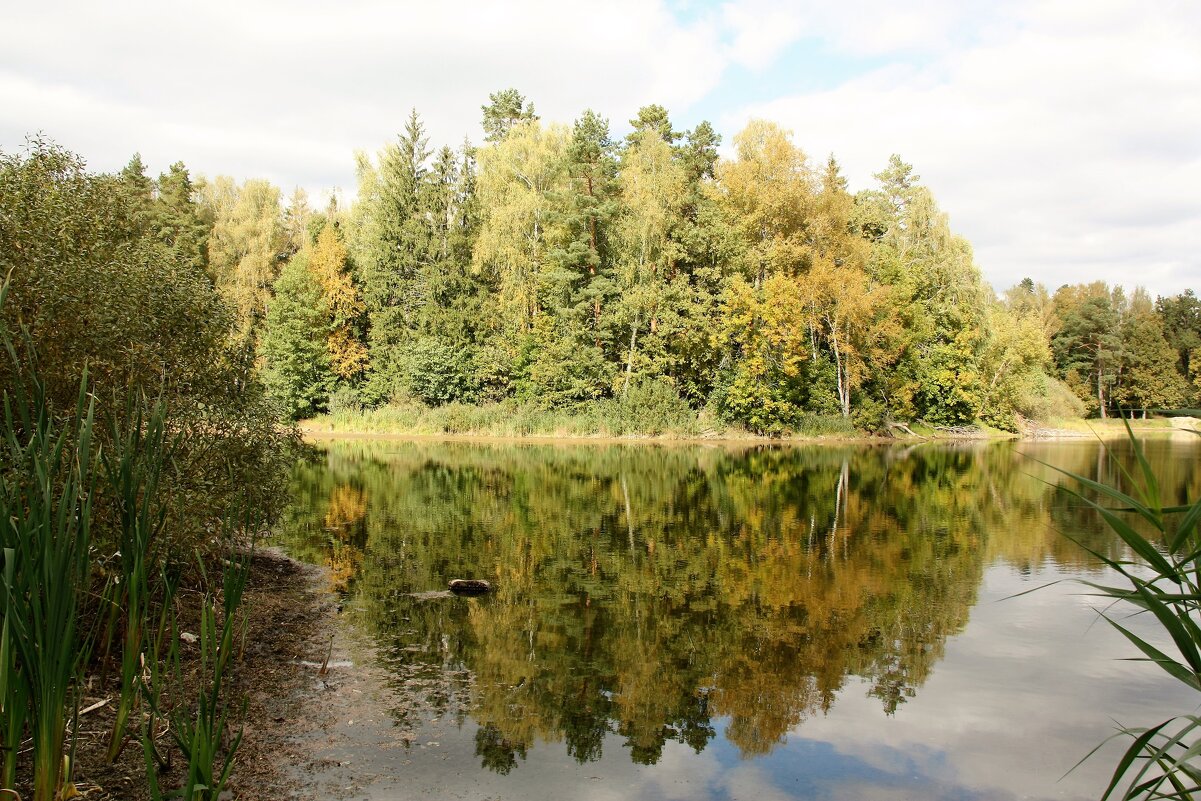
x=722, y=623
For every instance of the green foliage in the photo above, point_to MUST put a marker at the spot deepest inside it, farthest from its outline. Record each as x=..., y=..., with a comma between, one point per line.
x=1048, y=398
x=203, y=735
x=1181, y=316
x=1087, y=349
x=46, y=490
x=506, y=109
x=439, y=373
x=559, y=266
x=134, y=469
x=94, y=288
x=297, y=371
x=560, y=367
x=572, y=266
x=244, y=248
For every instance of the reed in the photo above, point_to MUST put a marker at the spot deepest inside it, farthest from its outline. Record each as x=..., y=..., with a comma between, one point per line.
x=202, y=734
x=14, y=696
x=133, y=467
x=161, y=664
x=1162, y=580
x=45, y=526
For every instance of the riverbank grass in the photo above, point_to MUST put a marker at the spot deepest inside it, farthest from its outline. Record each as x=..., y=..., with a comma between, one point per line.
x=609, y=418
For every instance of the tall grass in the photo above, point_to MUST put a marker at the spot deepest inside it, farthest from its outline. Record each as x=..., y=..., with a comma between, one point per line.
x=202, y=730
x=646, y=413
x=134, y=467
x=50, y=474
x=1164, y=581
x=45, y=529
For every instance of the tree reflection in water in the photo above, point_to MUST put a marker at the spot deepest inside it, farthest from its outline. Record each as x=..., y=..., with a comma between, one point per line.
x=648, y=591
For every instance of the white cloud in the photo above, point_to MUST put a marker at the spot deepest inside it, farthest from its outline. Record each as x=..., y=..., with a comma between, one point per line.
x=760, y=30
x=1063, y=137
x=289, y=90
x=1066, y=143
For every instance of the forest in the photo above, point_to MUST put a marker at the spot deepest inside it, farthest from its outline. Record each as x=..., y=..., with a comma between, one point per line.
x=555, y=267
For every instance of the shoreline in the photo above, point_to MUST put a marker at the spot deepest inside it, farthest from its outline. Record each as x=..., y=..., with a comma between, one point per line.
x=312, y=433
x=291, y=625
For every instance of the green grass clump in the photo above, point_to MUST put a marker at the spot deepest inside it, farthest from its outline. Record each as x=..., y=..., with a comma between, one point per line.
x=650, y=410
x=45, y=532
x=56, y=482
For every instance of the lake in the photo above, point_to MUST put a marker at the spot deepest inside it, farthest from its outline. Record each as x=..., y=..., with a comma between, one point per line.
x=725, y=622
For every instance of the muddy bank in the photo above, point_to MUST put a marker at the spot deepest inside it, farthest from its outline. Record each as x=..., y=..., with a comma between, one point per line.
x=291, y=705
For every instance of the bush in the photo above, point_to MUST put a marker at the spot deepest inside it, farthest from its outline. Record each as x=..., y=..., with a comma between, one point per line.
x=93, y=287
x=345, y=400
x=1050, y=399
x=439, y=372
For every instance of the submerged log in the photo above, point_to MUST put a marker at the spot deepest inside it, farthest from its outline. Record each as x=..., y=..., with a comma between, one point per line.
x=469, y=586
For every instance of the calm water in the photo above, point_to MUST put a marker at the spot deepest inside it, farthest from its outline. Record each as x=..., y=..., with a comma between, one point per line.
x=688, y=622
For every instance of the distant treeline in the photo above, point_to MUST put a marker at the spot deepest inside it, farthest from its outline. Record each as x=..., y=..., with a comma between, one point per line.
x=557, y=266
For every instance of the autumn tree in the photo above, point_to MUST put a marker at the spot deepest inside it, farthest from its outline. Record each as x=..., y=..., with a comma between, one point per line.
x=653, y=193
x=940, y=297
x=520, y=180
x=340, y=299
x=245, y=248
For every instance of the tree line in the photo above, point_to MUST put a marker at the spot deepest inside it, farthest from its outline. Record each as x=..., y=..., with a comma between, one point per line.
x=558, y=266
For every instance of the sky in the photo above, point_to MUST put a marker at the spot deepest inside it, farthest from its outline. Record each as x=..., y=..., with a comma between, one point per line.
x=1063, y=137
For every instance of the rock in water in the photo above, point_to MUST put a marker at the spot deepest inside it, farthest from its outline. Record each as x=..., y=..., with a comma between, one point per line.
x=469, y=586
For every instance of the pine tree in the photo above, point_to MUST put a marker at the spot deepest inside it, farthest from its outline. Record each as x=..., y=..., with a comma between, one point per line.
x=506, y=109
x=294, y=345
x=179, y=221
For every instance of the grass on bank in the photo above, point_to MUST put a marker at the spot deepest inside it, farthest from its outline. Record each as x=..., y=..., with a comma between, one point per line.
x=59, y=606
x=604, y=418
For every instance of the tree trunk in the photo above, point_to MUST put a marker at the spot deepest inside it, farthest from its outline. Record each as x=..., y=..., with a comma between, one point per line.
x=630, y=361
x=844, y=391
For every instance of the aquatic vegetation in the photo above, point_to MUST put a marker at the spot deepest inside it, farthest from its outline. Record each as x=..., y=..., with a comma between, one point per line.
x=1164, y=581
x=45, y=532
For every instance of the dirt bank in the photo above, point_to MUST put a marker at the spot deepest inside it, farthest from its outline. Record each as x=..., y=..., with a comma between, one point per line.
x=292, y=618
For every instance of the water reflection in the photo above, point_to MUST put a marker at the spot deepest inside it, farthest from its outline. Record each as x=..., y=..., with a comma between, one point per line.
x=645, y=593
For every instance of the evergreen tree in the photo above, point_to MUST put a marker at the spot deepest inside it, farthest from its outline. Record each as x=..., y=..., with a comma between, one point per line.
x=180, y=222
x=1088, y=346
x=398, y=242
x=506, y=109
x=294, y=346
x=139, y=190
x=1180, y=316
x=1149, y=376
x=586, y=208
x=653, y=118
